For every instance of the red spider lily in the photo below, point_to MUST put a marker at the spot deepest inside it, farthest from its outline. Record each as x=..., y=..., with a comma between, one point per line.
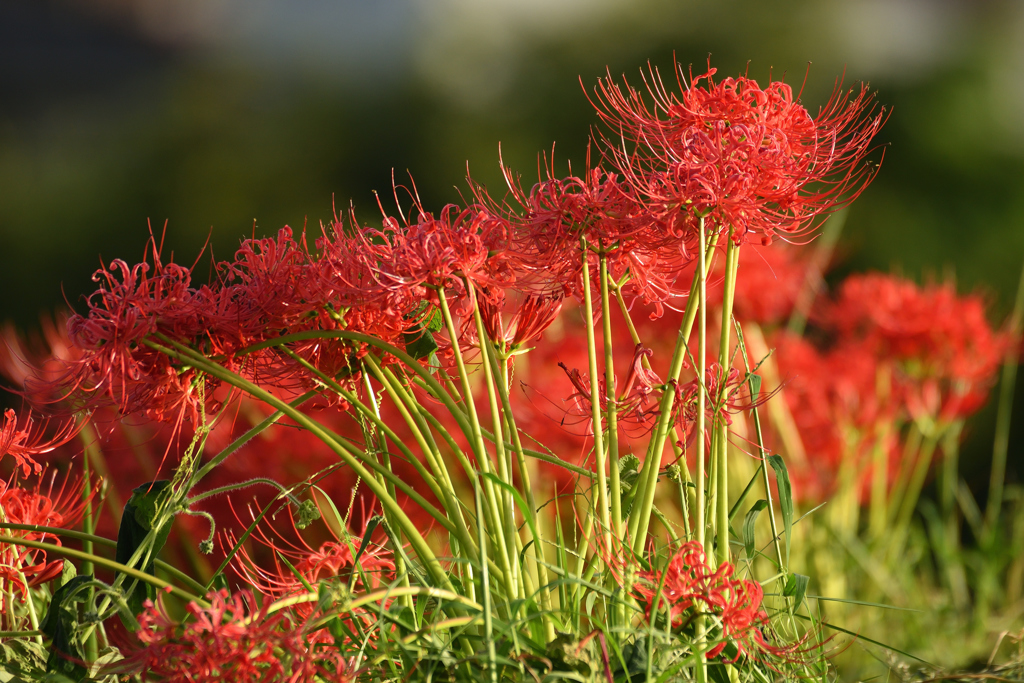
x=52, y=506
x=459, y=244
x=838, y=407
x=746, y=158
x=233, y=641
x=534, y=314
x=131, y=305
x=599, y=206
x=688, y=588
x=943, y=344
x=722, y=398
x=632, y=401
x=24, y=443
x=332, y=560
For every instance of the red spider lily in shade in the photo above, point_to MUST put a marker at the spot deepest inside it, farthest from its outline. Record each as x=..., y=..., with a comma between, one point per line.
x=945, y=351
x=690, y=588
x=232, y=641
x=40, y=505
x=748, y=158
x=333, y=560
x=116, y=367
x=24, y=443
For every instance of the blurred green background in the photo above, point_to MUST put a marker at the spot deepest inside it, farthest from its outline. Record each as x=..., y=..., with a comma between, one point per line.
x=234, y=116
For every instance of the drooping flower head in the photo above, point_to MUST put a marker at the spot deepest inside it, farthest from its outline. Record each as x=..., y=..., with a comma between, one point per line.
x=744, y=157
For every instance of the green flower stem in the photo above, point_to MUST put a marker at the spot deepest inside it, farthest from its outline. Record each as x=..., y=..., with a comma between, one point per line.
x=911, y=450
x=377, y=596
x=600, y=455
x=483, y=458
x=763, y=453
x=199, y=588
x=700, y=523
x=444, y=492
x=408, y=404
x=245, y=438
x=241, y=485
x=88, y=526
x=348, y=455
x=640, y=515
x=333, y=440
x=950, y=471
x=732, y=257
x=429, y=384
x=611, y=412
x=422, y=416
x=908, y=503
x=485, y=589
x=1004, y=413
x=516, y=444
x=516, y=580
x=20, y=634
x=680, y=454
x=880, y=459
x=374, y=415
x=106, y=564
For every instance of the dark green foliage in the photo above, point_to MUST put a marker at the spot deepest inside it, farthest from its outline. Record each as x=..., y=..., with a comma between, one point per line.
x=140, y=513
x=61, y=626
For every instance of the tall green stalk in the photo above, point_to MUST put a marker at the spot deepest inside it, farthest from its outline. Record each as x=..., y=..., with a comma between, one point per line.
x=600, y=455
x=1004, y=412
x=611, y=411
x=483, y=458
x=732, y=256
x=640, y=514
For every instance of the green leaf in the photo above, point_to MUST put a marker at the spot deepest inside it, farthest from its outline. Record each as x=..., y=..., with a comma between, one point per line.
x=419, y=337
x=785, y=496
x=60, y=625
x=796, y=588
x=140, y=514
x=748, y=527
x=419, y=343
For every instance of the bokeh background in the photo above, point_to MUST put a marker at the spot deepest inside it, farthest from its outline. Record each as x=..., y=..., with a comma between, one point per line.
x=229, y=117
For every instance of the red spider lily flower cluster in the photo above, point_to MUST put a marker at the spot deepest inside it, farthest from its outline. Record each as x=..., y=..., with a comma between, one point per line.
x=39, y=504
x=748, y=159
x=233, y=641
x=945, y=350
x=901, y=353
x=687, y=588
